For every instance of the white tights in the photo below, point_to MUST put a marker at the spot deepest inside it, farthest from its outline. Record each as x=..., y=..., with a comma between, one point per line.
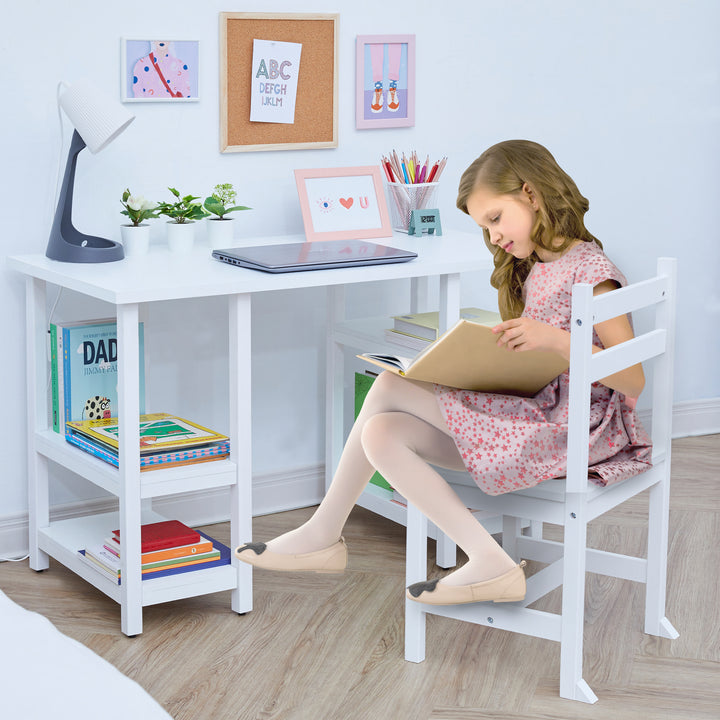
x=399, y=432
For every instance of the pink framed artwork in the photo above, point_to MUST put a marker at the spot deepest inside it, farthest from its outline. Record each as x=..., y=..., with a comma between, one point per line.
x=343, y=203
x=160, y=70
x=385, y=81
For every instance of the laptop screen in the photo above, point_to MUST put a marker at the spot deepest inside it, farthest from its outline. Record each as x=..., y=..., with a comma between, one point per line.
x=295, y=257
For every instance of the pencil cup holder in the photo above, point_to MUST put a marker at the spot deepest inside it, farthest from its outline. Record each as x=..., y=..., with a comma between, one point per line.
x=406, y=198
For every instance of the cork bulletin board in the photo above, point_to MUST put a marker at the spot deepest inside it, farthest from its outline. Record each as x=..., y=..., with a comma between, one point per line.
x=315, y=122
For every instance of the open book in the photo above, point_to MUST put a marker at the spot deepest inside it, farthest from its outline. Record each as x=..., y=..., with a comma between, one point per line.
x=467, y=356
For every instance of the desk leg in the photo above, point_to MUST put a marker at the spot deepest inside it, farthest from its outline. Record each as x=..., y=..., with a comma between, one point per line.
x=446, y=551
x=419, y=294
x=36, y=347
x=334, y=384
x=129, y=457
x=240, y=385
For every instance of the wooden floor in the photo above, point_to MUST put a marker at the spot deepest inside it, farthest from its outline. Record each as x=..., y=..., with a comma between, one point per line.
x=330, y=647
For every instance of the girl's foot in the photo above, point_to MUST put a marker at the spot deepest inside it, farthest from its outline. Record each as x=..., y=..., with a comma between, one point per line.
x=330, y=559
x=508, y=587
x=480, y=569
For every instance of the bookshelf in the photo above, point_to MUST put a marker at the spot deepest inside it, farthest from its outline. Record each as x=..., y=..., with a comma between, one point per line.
x=130, y=287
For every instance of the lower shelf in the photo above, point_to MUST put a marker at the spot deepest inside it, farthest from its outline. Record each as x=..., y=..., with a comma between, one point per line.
x=62, y=540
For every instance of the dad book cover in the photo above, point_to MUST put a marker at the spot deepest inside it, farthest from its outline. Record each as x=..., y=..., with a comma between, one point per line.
x=85, y=379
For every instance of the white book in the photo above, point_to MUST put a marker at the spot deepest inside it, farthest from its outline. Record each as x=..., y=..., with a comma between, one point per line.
x=408, y=341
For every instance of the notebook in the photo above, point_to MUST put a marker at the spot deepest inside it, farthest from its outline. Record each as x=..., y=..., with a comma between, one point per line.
x=323, y=255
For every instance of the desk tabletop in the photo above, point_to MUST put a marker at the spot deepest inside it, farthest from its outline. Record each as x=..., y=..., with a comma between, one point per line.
x=162, y=275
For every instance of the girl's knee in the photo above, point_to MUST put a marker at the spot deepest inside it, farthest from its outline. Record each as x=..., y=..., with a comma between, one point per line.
x=382, y=386
x=374, y=430
x=378, y=436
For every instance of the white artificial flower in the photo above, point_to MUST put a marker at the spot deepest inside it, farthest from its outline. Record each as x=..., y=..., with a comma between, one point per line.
x=148, y=204
x=135, y=202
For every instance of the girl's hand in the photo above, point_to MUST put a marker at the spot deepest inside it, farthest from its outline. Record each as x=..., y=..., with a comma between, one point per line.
x=524, y=333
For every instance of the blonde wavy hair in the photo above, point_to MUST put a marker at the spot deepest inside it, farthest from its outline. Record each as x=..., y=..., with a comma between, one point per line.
x=504, y=169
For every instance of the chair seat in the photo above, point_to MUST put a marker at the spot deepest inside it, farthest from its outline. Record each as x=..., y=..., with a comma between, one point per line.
x=552, y=489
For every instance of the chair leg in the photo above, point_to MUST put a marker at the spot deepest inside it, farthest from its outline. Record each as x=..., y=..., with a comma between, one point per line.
x=572, y=685
x=510, y=532
x=445, y=551
x=656, y=584
x=415, y=571
x=535, y=529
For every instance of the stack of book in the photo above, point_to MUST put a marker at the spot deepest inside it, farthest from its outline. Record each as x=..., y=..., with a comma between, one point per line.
x=165, y=441
x=168, y=548
x=417, y=330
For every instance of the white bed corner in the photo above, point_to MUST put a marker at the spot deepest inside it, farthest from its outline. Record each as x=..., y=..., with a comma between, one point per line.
x=45, y=675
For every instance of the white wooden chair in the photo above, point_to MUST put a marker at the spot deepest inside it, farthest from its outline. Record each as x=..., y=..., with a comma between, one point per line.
x=574, y=501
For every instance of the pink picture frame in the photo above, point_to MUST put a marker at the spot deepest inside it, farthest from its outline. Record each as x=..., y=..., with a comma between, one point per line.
x=385, y=81
x=343, y=203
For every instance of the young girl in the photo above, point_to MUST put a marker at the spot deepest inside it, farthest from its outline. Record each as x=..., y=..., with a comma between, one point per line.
x=531, y=214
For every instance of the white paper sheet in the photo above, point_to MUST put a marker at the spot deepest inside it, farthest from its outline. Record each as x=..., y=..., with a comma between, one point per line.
x=275, y=69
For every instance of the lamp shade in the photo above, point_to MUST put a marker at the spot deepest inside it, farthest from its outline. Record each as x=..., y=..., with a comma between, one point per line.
x=98, y=118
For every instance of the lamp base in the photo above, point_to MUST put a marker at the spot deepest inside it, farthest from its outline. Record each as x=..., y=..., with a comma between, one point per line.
x=66, y=243
x=80, y=248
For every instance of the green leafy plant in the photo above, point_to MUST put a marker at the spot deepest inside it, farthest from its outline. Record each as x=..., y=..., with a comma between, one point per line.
x=183, y=210
x=223, y=196
x=137, y=208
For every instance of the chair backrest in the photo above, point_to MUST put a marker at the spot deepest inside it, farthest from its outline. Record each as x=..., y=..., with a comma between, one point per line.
x=587, y=367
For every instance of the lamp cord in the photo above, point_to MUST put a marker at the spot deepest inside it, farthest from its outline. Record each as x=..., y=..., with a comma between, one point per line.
x=57, y=193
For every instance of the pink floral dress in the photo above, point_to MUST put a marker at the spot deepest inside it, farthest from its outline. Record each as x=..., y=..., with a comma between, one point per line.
x=510, y=442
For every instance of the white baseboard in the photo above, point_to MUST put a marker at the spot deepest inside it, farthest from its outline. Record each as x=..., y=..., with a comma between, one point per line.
x=696, y=417
x=288, y=490
x=691, y=418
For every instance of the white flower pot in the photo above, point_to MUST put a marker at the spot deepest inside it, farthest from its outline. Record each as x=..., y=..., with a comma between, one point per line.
x=181, y=236
x=220, y=232
x=135, y=239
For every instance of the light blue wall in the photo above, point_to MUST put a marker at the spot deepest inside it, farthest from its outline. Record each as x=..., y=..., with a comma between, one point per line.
x=625, y=93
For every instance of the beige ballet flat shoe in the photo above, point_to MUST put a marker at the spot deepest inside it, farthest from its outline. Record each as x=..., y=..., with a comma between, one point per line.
x=509, y=587
x=332, y=559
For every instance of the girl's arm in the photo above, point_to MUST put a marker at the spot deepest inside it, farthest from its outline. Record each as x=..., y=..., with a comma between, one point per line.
x=525, y=333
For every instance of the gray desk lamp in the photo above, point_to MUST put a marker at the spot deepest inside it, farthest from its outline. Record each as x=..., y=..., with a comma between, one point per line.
x=98, y=119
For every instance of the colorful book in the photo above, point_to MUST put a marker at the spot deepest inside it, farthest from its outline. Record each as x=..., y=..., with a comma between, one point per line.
x=106, y=569
x=425, y=325
x=197, y=549
x=180, y=562
x=83, y=373
x=158, y=432
x=224, y=559
x=153, y=461
x=164, y=534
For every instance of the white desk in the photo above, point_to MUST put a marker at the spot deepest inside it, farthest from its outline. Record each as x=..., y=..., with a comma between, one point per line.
x=162, y=276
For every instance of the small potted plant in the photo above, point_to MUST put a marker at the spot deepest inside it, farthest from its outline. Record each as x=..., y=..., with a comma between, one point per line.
x=136, y=234
x=182, y=213
x=220, y=203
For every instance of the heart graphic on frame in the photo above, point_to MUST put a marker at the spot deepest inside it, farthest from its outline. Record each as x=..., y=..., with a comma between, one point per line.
x=346, y=202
